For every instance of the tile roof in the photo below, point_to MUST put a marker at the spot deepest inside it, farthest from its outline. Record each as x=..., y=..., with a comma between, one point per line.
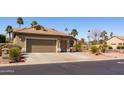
x=40, y=32
x=120, y=37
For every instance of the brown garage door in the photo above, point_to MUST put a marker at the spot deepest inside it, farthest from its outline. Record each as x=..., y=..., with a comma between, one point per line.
x=39, y=45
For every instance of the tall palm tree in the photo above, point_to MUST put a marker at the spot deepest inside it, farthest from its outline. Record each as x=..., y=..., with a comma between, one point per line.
x=88, y=38
x=34, y=23
x=66, y=30
x=111, y=34
x=103, y=35
x=74, y=32
x=20, y=21
x=88, y=31
x=9, y=30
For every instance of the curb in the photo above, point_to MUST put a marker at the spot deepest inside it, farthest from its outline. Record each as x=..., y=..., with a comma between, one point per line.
x=28, y=64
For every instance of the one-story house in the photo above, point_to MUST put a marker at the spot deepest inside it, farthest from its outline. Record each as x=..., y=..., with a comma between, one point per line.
x=116, y=41
x=38, y=39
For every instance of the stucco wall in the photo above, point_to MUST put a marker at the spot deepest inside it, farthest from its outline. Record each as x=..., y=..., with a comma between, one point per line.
x=21, y=39
x=114, y=42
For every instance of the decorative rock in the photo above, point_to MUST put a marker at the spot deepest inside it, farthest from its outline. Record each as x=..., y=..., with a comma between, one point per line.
x=5, y=55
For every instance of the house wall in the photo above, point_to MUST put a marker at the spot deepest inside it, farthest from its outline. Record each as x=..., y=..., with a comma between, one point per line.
x=114, y=42
x=21, y=40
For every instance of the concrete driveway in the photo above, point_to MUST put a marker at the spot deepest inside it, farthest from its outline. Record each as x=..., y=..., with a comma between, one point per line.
x=44, y=58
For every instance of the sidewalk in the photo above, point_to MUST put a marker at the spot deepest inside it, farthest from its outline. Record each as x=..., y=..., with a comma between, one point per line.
x=33, y=59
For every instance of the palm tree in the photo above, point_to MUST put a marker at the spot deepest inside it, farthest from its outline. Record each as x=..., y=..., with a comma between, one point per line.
x=66, y=30
x=34, y=23
x=106, y=37
x=9, y=30
x=88, y=31
x=74, y=32
x=88, y=37
x=103, y=34
x=20, y=21
x=111, y=34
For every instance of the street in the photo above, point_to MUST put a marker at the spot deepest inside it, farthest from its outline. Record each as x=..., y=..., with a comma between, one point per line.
x=115, y=67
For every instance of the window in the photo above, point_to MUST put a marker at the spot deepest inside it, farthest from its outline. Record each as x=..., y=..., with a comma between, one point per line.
x=113, y=43
x=119, y=43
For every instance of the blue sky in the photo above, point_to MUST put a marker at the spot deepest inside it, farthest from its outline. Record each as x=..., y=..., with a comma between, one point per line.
x=82, y=24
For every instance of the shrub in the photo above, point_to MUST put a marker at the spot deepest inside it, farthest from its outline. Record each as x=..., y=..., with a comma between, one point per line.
x=110, y=47
x=78, y=46
x=2, y=45
x=2, y=38
x=118, y=47
x=122, y=47
x=103, y=47
x=14, y=53
x=94, y=49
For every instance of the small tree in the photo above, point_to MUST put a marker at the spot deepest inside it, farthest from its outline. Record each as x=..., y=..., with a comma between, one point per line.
x=94, y=49
x=95, y=34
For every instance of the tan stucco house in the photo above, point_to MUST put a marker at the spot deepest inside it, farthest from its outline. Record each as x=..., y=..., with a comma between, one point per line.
x=116, y=41
x=38, y=39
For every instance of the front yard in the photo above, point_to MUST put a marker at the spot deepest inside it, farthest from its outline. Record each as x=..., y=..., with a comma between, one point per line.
x=104, y=56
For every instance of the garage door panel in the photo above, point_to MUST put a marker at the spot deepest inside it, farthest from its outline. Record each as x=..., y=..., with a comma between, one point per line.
x=38, y=46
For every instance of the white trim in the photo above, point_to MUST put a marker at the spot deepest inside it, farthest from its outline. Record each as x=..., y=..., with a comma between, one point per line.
x=26, y=38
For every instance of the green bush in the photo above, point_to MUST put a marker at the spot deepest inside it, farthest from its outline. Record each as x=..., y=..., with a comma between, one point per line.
x=2, y=38
x=110, y=47
x=105, y=46
x=118, y=47
x=122, y=47
x=94, y=49
x=2, y=45
x=78, y=46
x=14, y=53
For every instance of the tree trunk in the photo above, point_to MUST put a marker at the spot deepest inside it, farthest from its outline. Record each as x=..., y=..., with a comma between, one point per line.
x=19, y=25
x=9, y=37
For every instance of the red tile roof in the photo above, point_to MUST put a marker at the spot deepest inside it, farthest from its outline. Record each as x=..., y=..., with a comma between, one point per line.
x=42, y=32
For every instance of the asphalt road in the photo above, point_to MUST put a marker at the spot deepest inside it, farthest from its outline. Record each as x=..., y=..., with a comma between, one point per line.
x=115, y=67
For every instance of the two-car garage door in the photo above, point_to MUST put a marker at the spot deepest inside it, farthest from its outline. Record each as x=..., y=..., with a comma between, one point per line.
x=40, y=45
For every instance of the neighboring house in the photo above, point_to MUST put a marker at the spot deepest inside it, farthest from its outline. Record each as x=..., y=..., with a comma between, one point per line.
x=38, y=40
x=116, y=41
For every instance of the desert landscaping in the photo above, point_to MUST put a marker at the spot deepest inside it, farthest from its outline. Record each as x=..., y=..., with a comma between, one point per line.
x=20, y=44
